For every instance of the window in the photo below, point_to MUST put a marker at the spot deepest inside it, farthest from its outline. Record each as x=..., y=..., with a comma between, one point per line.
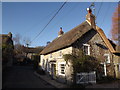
x=86, y=49
x=60, y=53
x=43, y=64
x=62, y=68
x=119, y=67
x=47, y=65
x=107, y=58
x=51, y=55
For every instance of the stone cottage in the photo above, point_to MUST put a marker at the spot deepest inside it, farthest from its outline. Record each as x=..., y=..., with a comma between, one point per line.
x=7, y=50
x=86, y=36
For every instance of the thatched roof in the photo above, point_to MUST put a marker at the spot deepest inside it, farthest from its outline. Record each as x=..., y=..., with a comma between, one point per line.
x=103, y=36
x=32, y=49
x=71, y=36
x=67, y=39
x=113, y=44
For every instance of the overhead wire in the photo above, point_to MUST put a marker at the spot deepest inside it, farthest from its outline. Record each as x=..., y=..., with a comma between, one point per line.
x=68, y=13
x=41, y=21
x=99, y=9
x=49, y=21
x=107, y=10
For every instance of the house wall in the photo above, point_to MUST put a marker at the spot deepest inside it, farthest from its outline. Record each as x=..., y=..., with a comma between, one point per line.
x=117, y=65
x=29, y=55
x=56, y=58
x=97, y=49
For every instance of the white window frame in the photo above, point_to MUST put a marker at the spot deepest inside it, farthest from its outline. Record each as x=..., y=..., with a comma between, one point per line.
x=59, y=68
x=88, y=48
x=108, y=58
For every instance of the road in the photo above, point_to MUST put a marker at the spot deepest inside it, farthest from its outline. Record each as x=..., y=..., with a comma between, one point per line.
x=23, y=77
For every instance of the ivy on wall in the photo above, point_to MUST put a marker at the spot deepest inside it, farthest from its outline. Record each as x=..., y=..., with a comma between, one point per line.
x=82, y=62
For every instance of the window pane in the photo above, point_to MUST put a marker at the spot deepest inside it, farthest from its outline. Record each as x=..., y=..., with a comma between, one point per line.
x=62, y=68
x=107, y=59
x=86, y=50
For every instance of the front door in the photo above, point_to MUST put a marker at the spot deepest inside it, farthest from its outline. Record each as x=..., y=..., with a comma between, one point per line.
x=53, y=70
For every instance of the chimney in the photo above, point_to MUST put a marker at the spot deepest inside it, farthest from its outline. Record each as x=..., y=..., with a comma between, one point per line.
x=90, y=18
x=60, y=33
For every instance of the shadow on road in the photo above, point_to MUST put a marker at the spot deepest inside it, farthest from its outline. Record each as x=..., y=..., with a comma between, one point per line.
x=22, y=76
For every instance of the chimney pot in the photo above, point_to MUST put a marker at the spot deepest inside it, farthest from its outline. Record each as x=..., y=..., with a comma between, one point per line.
x=89, y=10
x=90, y=18
x=60, y=33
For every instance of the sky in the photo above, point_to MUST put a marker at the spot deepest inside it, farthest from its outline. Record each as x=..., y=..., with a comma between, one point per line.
x=28, y=18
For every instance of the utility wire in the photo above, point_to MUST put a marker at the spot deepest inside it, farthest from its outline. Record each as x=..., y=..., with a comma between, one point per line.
x=50, y=20
x=99, y=9
x=68, y=13
x=106, y=13
x=41, y=20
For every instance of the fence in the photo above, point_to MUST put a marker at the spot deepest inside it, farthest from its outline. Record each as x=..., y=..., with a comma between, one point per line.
x=83, y=78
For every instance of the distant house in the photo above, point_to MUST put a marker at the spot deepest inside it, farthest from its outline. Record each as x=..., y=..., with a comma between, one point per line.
x=7, y=49
x=86, y=36
x=31, y=51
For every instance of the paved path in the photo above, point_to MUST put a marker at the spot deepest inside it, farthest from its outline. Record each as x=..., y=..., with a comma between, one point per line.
x=23, y=77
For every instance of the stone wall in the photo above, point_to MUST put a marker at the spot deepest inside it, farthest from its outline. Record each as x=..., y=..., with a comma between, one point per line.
x=98, y=49
x=56, y=58
x=117, y=65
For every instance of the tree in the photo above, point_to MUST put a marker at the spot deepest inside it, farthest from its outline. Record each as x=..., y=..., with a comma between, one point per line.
x=115, y=31
x=17, y=39
x=17, y=44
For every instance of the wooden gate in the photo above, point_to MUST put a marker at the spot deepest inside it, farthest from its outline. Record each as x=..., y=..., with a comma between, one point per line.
x=82, y=78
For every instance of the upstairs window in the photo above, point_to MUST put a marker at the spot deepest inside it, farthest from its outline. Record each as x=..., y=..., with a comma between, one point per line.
x=107, y=58
x=51, y=55
x=60, y=54
x=86, y=49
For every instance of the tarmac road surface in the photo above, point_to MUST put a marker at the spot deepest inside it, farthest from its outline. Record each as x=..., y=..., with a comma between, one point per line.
x=22, y=77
